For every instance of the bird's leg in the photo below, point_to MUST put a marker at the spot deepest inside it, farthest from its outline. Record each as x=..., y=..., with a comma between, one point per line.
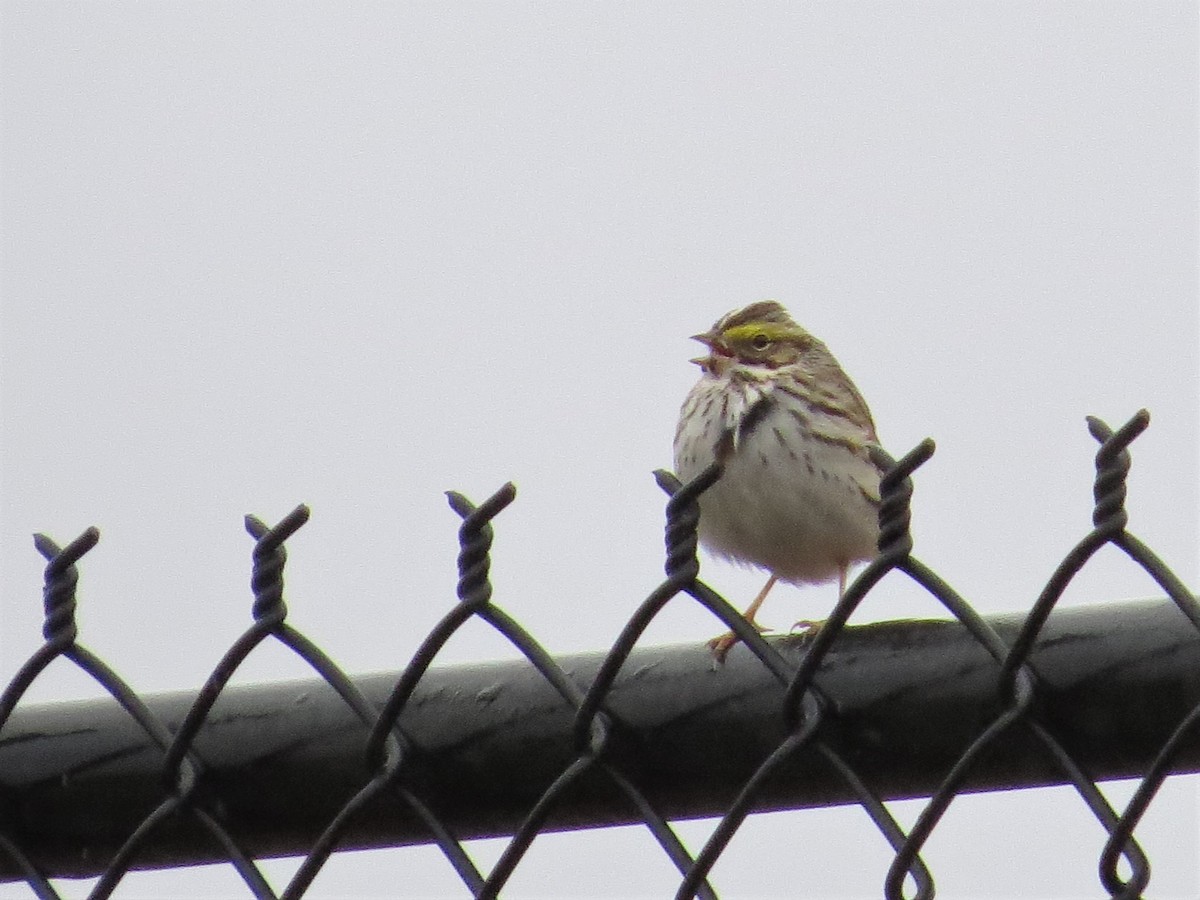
x=752, y=609
x=808, y=626
x=720, y=645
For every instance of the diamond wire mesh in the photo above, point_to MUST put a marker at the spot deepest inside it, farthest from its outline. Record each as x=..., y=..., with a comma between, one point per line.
x=805, y=709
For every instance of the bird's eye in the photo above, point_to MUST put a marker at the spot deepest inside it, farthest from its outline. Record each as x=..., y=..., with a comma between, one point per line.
x=760, y=342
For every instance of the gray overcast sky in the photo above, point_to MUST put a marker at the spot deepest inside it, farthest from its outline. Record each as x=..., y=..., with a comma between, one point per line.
x=354, y=255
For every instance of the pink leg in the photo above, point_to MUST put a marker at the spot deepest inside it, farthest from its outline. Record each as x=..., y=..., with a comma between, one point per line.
x=720, y=645
x=808, y=626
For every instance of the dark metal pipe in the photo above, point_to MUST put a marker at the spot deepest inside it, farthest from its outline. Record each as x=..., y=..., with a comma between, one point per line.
x=280, y=760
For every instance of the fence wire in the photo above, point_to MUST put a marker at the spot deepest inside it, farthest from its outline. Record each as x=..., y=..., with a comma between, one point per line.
x=807, y=713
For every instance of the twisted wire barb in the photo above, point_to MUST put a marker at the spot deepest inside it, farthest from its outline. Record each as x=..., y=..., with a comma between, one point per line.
x=58, y=601
x=61, y=579
x=269, y=556
x=683, y=521
x=1112, y=467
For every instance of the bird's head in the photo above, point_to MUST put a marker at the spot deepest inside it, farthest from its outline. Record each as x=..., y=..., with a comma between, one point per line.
x=761, y=334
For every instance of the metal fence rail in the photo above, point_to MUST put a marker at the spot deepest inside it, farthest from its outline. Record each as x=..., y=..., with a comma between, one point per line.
x=854, y=715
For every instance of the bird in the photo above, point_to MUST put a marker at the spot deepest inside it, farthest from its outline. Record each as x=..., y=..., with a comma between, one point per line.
x=799, y=493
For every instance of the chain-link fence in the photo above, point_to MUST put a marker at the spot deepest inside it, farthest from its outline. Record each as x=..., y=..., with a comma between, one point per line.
x=850, y=715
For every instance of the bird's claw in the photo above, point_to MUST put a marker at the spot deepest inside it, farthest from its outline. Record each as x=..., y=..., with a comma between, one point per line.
x=808, y=626
x=722, y=643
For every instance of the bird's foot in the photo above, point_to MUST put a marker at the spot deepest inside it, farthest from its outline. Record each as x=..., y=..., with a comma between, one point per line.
x=808, y=627
x=721, y=644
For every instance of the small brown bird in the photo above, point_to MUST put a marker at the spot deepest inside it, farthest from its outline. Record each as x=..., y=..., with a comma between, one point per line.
x=799, y=495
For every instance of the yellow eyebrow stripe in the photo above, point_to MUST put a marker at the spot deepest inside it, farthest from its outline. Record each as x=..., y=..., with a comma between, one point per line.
x=773, y=331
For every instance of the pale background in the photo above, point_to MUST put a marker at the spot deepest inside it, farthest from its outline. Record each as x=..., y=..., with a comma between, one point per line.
x=354, y=255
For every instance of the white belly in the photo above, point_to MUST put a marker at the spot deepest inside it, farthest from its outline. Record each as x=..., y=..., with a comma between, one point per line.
x=798, y=505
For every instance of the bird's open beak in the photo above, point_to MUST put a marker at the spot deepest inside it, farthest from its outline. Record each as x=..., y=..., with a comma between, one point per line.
x=715, y=360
